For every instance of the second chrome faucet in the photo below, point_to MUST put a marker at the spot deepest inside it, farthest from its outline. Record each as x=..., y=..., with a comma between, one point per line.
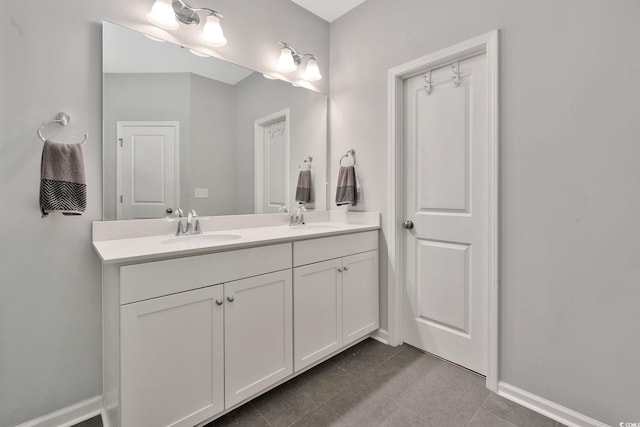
x=298, y=217
x=192, y=226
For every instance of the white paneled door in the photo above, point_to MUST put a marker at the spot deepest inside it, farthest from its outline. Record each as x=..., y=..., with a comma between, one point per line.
x=446, y=209
x=148, y=169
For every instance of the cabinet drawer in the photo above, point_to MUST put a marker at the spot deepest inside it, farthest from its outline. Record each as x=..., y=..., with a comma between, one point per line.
x=154, y=279
x=316, y=250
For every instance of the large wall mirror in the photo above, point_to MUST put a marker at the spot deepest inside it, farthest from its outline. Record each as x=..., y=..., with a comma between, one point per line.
x=181, y=130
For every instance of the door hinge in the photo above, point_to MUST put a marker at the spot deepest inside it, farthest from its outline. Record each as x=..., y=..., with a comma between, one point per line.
x=121, y=142
x=121, y=198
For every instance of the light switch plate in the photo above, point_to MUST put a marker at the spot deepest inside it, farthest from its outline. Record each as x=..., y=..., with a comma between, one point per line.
x=202, y=193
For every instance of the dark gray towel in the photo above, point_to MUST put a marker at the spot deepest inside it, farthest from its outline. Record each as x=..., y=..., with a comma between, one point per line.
x=303, y=189
x=63, y=184
x=347, y=193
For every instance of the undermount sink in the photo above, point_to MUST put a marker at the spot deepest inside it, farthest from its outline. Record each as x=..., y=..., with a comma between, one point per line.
x=200, y=238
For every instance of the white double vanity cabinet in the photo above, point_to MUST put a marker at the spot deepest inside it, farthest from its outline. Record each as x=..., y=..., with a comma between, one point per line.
x=193, y=328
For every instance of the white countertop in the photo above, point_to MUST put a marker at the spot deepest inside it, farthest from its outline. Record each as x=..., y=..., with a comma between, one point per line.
x=165, y=246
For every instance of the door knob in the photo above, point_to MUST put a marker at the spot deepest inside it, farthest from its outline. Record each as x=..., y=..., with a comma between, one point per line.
x=408, y=224
x=169, y=211
x=219, y=301
x=230, y=299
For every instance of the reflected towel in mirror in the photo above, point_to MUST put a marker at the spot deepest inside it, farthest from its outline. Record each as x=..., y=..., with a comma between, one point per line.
x=303, y=189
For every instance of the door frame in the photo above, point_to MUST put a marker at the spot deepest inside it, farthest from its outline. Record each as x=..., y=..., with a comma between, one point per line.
x=484, y=44
x=258, y=155
x=120, y=125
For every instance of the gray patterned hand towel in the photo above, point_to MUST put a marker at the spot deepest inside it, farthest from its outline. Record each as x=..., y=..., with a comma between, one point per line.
x=303, y=189
x=346, y=193
x=63, y=184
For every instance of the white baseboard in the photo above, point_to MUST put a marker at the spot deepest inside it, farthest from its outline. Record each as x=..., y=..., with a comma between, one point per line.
x=381, y=335
x=546, y=407
x=69, y=416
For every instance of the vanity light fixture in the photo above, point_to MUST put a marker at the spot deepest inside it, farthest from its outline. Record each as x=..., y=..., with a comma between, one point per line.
x=166, y=14
x=290, y=59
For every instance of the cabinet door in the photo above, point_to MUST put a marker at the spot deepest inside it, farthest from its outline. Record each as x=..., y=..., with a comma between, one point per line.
x=258, y=334
x=360, y=295
x=317, y=311
x=172, y=359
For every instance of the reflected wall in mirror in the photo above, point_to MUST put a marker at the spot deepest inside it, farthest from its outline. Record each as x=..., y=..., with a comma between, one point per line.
x=200, y=133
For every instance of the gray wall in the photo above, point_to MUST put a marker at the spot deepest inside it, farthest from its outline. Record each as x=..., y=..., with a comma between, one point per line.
x=142, y=97
x=570, y=181
x=257, y=97
x=205, y=109
x=212, y=146
x=50, y=297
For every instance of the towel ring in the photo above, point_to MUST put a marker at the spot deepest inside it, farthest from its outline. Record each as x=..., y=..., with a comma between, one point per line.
x=62, y=119
x=307, y=163
x=351, y=152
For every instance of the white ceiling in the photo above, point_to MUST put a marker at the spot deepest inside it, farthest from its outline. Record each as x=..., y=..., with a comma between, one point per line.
x=329, y=10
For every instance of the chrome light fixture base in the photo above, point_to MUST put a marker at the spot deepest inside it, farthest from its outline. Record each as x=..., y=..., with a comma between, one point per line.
x=185, y=14
x=189, y=15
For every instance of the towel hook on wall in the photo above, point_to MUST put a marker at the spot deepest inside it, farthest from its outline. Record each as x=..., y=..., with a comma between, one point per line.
x=63, y=120
x=351, y=153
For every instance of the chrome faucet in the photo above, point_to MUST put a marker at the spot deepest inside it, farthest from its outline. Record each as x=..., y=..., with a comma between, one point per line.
x=190, y=227
x=298, y=218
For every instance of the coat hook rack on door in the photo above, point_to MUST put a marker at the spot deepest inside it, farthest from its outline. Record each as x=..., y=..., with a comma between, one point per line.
x=427, y=83
x=455, y=68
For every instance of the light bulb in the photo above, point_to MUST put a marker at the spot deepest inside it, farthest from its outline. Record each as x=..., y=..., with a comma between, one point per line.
x=212, y=32
x=312, y=72
x=286, y=62
x=162, y=15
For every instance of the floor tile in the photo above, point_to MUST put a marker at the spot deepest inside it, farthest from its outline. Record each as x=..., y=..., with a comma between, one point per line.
x=294, y=399
x=365, y=356
x=486, y=419
x=372, y=399
x=448, y=395
x=244, y=416
x=371, y=385
x=516, y=414
x=321, y=416
x=403, y=417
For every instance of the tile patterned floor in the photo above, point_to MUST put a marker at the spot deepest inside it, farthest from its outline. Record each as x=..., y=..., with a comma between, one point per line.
x=372, y=384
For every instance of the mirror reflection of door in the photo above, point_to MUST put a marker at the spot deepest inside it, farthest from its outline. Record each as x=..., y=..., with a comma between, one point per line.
x=272, y=162
x=148, y=169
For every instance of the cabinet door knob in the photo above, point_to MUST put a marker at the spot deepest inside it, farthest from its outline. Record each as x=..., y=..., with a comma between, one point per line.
x=339, y=270
x=219, y=301
x=408, y=224
x=230, y=299
x=346, y=269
